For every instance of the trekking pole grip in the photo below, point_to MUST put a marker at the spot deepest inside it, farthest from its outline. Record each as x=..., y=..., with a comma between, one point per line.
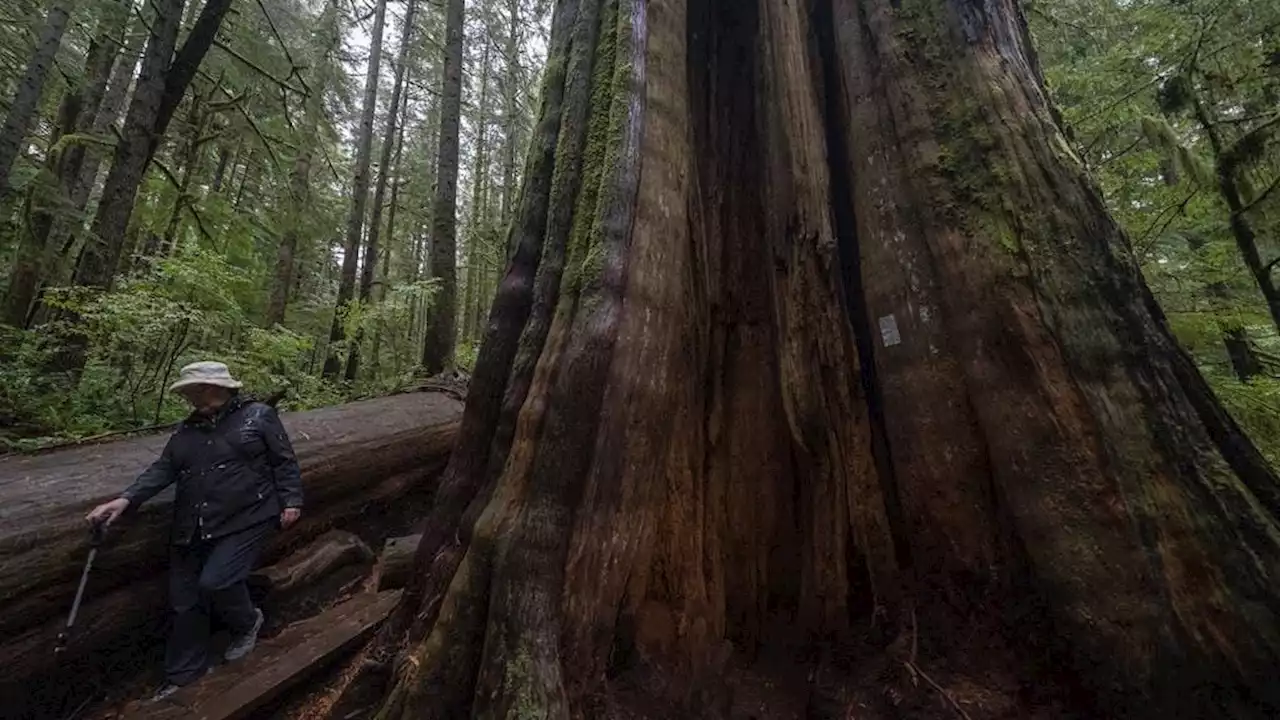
x=97, y=533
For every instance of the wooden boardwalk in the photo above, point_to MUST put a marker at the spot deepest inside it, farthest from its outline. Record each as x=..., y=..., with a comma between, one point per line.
x=233, y=692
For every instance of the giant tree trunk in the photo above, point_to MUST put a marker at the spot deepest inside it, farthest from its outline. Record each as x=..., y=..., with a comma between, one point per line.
x=814, y=317
x=363, y=464
x=359, y=192
x=441, y=335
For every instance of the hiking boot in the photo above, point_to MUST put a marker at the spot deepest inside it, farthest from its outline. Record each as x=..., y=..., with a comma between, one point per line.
x=164, y=692
x=243, y=645
x=169, y=689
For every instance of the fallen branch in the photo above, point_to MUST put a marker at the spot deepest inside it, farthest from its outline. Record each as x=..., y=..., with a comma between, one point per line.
x=916, y=671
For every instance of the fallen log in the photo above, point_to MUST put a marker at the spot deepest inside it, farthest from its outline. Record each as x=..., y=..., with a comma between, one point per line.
x=312, y=576
x=396, y=562
x=359, y=461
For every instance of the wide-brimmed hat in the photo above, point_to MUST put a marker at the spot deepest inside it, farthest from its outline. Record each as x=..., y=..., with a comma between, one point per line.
x=205, y=373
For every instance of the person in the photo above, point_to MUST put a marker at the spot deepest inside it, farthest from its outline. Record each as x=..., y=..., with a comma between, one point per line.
x=237, y=481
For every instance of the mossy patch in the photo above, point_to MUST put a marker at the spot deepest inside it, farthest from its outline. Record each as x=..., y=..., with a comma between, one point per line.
x=600, y=158
x=973, y=178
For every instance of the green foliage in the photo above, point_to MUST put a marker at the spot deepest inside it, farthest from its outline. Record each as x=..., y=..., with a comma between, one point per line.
x=257, y=157
x=1157, y=97
x=1256, y=406
x=179, y=310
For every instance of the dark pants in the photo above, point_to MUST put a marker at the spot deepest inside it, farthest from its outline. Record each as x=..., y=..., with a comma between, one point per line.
x=205, y=579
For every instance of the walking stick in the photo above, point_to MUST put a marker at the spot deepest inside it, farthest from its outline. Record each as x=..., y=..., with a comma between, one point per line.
x=96, y=533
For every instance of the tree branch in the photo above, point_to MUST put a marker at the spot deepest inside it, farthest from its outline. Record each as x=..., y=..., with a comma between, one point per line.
x=1234, y=155
x=284, y=48
x=256, y=69
x=1261, y=198
x=1122, y=153
x=253, y=125
x=1161, y=223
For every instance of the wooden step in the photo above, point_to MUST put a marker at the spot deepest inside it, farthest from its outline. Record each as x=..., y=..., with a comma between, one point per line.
x=234, y=691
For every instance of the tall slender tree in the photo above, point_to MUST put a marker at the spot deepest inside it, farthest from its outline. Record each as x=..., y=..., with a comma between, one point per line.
x=359, y=191
x=511, y=116
x=73, y=134
x=477, y=224
x=441, y=334
x=389, y=138
x=326, y=42
x=162, y=83
x=22, y=109
x=380, y=289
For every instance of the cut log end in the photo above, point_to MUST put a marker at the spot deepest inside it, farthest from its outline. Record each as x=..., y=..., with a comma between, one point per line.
x=396, y=562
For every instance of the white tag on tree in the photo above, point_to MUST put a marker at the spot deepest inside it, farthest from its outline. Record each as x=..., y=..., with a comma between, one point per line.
x=889, y=331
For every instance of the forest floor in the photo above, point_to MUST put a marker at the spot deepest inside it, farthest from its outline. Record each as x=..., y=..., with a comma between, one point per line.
x=985, y=682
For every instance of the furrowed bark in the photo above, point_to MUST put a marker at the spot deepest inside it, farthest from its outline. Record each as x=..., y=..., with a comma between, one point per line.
x=1108, y=464
x=520, y=673
x=829, y=328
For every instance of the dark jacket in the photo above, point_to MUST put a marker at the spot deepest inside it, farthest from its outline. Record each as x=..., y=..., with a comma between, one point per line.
x=233, y=471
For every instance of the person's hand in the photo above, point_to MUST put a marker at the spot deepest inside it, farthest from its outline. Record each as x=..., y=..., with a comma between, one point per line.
x=289, y=517
x=106, y=513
